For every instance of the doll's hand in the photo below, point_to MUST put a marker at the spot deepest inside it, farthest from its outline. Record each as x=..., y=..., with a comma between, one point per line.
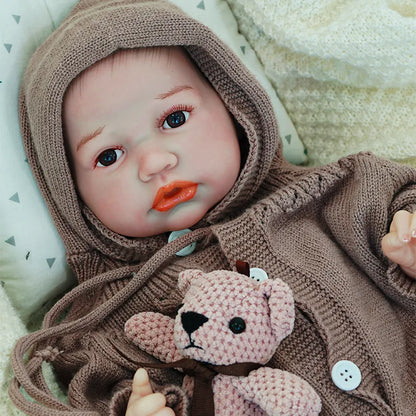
x=399, y=245
x=143, y=402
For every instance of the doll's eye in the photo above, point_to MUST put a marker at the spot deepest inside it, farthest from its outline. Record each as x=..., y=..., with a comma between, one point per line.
x=237, y=325
x=175, y=119
x=108, y=157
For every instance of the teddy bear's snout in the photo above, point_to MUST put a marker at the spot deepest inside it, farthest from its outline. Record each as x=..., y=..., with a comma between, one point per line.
x=191, y=321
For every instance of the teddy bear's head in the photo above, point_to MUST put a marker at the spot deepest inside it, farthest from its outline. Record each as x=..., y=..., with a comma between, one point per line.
x=228, y=318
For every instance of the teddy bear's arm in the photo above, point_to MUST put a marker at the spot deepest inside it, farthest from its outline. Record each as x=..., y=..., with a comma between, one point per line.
x=153, y=332
x=279, y=393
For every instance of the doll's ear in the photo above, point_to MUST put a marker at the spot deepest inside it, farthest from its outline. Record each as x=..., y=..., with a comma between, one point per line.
x=282, y=307
x=185, y=278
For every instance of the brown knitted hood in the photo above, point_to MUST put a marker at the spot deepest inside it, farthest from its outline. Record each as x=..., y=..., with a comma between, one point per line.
x=93, y=30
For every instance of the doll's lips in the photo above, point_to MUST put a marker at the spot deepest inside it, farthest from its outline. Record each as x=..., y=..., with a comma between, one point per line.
x=172, y=194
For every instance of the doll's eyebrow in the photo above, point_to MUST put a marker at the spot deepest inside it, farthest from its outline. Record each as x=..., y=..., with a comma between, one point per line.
x=173, y=91
x=162, y=96
x=90, y=136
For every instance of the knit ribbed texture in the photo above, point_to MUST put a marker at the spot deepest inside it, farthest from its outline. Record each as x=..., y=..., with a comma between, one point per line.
x=317, y=229
x=345, y=71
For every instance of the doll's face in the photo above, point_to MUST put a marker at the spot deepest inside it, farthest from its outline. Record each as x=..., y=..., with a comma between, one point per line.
x=152, y=145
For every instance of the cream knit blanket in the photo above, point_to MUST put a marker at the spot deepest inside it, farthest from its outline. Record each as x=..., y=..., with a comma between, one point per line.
x=11, y=329
x=344, y=69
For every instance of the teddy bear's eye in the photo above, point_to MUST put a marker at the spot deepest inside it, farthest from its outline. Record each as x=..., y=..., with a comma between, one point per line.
x=237, y=325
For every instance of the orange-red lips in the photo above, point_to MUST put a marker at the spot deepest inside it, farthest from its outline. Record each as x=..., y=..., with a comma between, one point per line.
x=172, y=194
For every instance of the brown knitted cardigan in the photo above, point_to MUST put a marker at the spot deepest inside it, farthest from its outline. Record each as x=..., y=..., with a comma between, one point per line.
x=318, y=229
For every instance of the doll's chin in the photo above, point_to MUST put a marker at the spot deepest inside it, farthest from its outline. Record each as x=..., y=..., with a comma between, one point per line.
x=182, y=216
x=185, y=215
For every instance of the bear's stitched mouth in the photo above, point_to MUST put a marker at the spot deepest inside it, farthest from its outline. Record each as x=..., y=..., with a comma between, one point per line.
x=192, y=344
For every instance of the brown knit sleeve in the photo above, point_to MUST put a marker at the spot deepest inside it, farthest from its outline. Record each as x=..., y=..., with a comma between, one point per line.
x=118, y=403
x=403, y=289
x=361, y=213
x=175, y=399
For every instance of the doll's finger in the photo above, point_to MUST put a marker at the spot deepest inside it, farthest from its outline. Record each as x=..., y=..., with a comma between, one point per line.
x=401, y=225
x=413, y=225
x=392, y=244
x=166, y=411
x=399, y=252
x=149, y=405
x=141, y=384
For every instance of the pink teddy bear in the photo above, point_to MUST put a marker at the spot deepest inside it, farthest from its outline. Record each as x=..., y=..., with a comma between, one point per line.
x=228, y=318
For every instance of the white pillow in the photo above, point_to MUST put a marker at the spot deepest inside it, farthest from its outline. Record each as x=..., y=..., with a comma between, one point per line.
x=32, y=259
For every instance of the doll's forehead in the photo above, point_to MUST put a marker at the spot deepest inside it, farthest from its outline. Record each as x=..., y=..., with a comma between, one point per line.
x=168, y=55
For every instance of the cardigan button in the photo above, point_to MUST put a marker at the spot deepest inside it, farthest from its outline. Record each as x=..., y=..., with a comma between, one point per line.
x=186, y=251
x=346, y=375
x=257, y=274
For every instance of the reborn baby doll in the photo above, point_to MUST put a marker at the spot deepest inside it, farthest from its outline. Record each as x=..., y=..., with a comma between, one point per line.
x=150, y=167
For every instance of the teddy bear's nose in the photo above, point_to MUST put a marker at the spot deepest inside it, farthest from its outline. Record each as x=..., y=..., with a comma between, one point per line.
x=191, y=321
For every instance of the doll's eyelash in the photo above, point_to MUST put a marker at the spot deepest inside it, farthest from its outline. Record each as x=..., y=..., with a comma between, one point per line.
x=173, y=109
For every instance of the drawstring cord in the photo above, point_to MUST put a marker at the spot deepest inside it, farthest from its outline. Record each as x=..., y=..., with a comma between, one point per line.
x=25, y=373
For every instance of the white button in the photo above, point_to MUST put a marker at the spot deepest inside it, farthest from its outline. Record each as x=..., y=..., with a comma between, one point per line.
x=258, y=274
x=346, y=375
x=186, y=251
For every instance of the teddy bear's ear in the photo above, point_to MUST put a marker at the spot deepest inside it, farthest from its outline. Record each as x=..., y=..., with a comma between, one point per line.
x=282, y=307
x=185, y=278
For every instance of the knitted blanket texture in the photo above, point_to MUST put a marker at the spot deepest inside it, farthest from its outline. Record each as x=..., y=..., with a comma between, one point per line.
x=345, y=71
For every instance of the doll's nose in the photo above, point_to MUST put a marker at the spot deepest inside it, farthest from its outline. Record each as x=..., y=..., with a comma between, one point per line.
x=155, y=162
x=191, y=321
